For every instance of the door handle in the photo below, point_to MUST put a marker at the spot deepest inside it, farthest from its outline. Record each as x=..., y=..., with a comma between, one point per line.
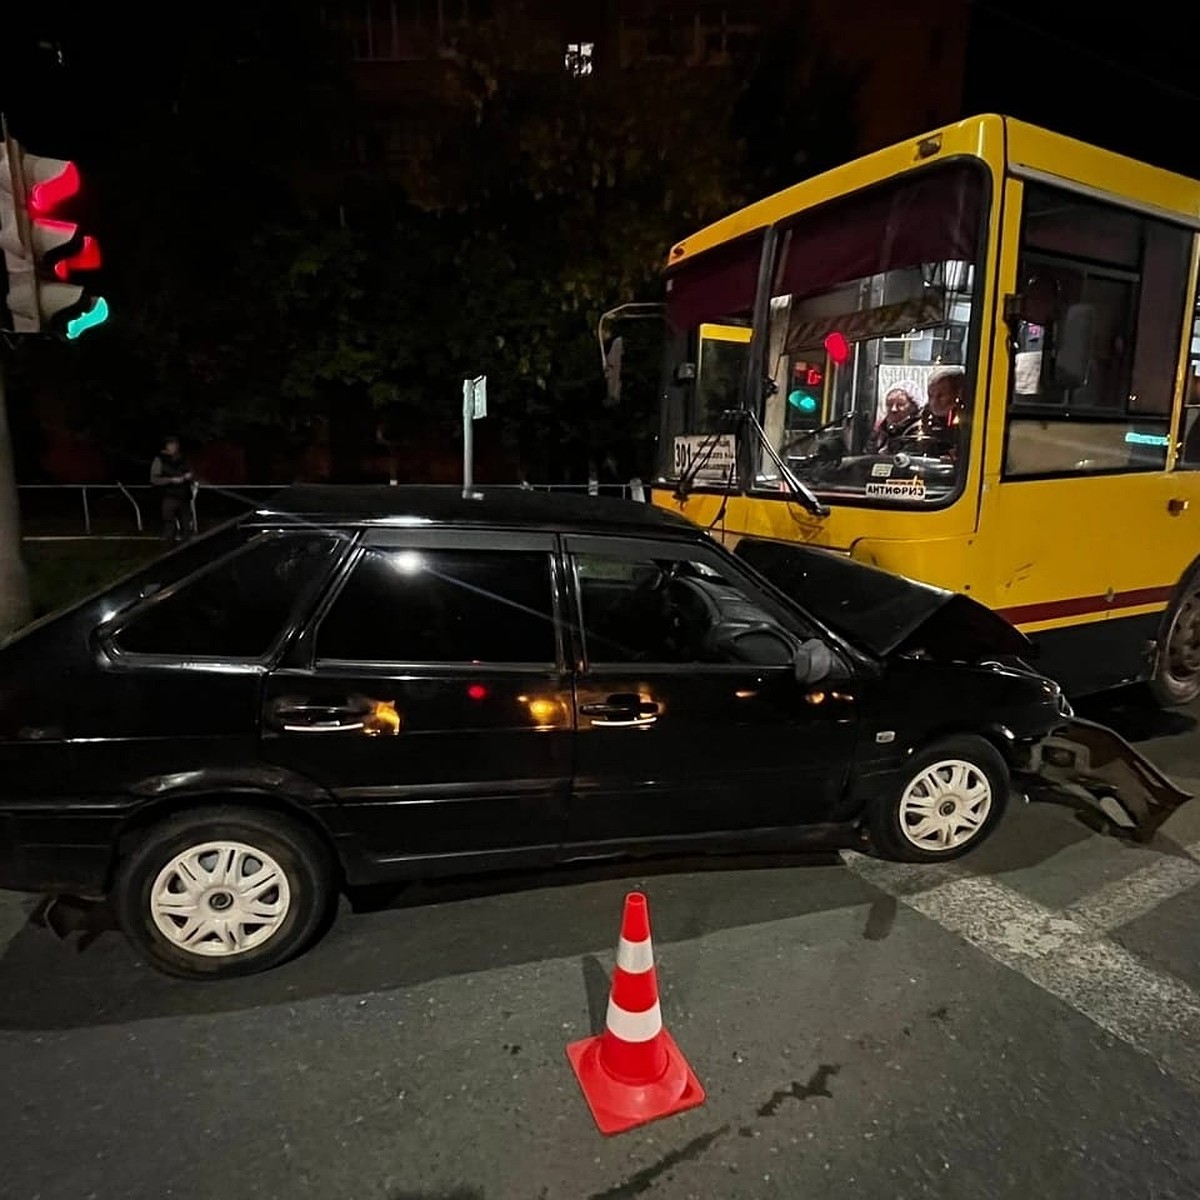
x=321, y=710
x=297, y=716
x=621, y=710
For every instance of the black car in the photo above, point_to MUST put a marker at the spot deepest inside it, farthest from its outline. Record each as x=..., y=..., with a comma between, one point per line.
x=355, y=685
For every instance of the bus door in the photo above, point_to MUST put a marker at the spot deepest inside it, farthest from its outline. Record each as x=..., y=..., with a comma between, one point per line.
x=1078, y=518
x=711, y=454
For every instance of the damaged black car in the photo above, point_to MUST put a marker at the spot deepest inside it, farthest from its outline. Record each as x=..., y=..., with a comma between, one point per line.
x=352, y=686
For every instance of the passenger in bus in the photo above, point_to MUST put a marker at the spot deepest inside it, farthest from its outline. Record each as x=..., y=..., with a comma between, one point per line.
x=901, y=409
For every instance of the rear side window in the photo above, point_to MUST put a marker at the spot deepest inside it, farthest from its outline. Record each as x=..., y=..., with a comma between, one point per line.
x=443, y=606
x=234, y=610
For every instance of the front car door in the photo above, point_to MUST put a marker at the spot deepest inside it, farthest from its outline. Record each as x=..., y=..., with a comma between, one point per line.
x=429, y=695
x=690, y=718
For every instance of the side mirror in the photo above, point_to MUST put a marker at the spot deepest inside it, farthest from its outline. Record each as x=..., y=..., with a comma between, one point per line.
x=813, y=661
x=1073, y=346
x=685, y=372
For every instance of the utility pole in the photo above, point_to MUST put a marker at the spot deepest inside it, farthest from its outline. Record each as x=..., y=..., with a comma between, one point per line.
x=14, y=580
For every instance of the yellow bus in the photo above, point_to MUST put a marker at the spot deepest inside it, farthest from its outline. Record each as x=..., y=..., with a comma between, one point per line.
x=971, y=358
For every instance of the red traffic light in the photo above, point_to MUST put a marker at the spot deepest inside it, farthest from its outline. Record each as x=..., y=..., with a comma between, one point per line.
x=837, y=347
x=86, y=258
x=46, y=197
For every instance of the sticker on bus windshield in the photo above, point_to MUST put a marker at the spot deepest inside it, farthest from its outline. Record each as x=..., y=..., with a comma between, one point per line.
x=898, y=489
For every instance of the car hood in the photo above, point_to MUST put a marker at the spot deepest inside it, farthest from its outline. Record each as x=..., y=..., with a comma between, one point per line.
x=883, y=613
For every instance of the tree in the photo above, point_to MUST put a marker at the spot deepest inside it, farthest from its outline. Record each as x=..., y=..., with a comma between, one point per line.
x=561, y=195
x=259, y=277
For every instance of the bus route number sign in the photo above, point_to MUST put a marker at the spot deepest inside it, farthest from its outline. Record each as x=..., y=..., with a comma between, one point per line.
x=712, y=457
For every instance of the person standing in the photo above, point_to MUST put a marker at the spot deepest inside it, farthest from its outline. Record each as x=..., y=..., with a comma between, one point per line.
x=170, y=472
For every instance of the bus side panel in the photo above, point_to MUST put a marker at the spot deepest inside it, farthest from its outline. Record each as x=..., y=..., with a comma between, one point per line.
x=1102, y=654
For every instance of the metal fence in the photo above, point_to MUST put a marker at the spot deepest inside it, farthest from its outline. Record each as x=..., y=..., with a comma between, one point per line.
x=115, y=510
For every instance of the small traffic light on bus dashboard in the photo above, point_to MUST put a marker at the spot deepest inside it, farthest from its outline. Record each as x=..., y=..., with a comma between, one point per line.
x=804, y=394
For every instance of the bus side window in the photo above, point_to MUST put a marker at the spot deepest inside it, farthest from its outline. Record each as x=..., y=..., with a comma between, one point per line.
x=1094, y=359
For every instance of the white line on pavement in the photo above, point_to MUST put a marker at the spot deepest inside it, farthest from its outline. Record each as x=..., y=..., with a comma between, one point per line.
x=1139, y=892
x=1151, y=1011
x=15, y=908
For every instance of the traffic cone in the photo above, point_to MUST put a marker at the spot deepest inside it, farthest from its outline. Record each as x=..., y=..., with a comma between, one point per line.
x=633, y=1072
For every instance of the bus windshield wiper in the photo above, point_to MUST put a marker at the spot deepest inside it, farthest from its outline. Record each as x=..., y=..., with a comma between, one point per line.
x=803, y=492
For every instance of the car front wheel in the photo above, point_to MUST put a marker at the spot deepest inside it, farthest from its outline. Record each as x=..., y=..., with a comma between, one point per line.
x=952, y=795
x=218, y=892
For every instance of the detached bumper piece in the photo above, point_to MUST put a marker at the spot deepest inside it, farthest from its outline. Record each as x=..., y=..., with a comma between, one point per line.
x=1095, y=770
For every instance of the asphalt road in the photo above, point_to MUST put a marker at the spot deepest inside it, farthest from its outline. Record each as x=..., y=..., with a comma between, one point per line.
x=1026, y=1025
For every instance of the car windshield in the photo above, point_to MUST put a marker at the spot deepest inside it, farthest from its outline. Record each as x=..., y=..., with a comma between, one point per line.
x=866, y=392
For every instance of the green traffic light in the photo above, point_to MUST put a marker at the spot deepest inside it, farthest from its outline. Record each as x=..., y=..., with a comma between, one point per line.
x=804, y=402
x=96, y=315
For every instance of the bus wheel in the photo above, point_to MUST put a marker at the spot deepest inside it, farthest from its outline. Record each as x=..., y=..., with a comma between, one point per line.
x=1177, y=673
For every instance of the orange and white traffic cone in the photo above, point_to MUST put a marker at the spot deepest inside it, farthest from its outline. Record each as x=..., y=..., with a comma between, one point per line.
x=633, y=1072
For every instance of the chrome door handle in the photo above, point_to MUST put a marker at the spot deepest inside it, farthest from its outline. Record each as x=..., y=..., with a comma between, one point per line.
x=298, y=716
x=608, y=710
x=318, y=710
x=621, y=711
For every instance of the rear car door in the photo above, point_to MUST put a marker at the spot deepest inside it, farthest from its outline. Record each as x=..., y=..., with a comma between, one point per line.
x=690, y=717
x=429, y=695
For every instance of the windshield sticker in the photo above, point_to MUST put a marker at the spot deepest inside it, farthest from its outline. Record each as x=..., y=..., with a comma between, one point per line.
x=881, y=471
x=898, y=489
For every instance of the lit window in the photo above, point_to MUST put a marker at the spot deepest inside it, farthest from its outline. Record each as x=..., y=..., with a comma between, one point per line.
x=578, y=59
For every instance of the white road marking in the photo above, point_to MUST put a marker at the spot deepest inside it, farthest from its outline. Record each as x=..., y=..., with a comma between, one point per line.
x=15, y=908
x=1140, y=892
x=1152, y=1011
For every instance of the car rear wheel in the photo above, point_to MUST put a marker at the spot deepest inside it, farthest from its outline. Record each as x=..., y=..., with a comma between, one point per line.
x=219, y=892
x=952, y=796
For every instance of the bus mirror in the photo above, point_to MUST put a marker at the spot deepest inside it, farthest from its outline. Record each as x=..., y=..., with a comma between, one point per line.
x=612, y=372
x=1073, y=346
x=685, y=372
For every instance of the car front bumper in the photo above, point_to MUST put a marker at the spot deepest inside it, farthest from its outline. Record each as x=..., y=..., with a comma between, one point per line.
x=1093, y=769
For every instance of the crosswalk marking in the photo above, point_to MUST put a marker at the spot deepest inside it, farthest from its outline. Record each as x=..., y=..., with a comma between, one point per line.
x=1150, y=1010
x=15, y=908
x=1140, y=892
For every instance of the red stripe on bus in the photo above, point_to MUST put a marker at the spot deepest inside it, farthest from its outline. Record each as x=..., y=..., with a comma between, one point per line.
x=1027, y=614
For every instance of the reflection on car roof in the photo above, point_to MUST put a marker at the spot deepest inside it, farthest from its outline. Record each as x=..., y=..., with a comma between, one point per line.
x=446, y=505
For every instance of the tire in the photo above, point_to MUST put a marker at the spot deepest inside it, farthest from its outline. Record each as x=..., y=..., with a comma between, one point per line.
x=980, y=769
x=211, y=869
x=1176, y=678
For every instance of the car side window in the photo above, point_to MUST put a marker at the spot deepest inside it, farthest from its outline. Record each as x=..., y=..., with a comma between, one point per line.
x=672, y=610
x=233, y=610
x=443, y=606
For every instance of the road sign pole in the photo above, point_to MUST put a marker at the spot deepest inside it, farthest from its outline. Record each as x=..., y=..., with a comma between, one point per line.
x=468, y=420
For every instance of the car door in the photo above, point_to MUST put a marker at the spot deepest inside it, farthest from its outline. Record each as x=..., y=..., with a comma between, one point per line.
x=429, y=695
x=169, y=698
x=690, y=718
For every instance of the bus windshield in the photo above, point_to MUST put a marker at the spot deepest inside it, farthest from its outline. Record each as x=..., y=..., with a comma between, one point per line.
x=866, y=393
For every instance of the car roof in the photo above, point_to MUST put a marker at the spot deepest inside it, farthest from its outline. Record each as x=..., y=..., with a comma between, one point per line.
x=497, y=506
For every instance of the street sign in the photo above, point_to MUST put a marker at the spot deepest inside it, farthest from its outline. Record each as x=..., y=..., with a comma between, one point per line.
x=475, y=397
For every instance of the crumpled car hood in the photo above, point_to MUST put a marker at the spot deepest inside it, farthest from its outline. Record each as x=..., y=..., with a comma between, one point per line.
x=883, y=613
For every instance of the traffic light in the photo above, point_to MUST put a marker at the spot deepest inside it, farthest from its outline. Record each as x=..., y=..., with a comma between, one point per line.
x=43, y=251
x=805, y=395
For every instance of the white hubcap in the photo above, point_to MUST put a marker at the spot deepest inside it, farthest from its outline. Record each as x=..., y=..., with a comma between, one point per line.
x=945, y=806
x=220, y=898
